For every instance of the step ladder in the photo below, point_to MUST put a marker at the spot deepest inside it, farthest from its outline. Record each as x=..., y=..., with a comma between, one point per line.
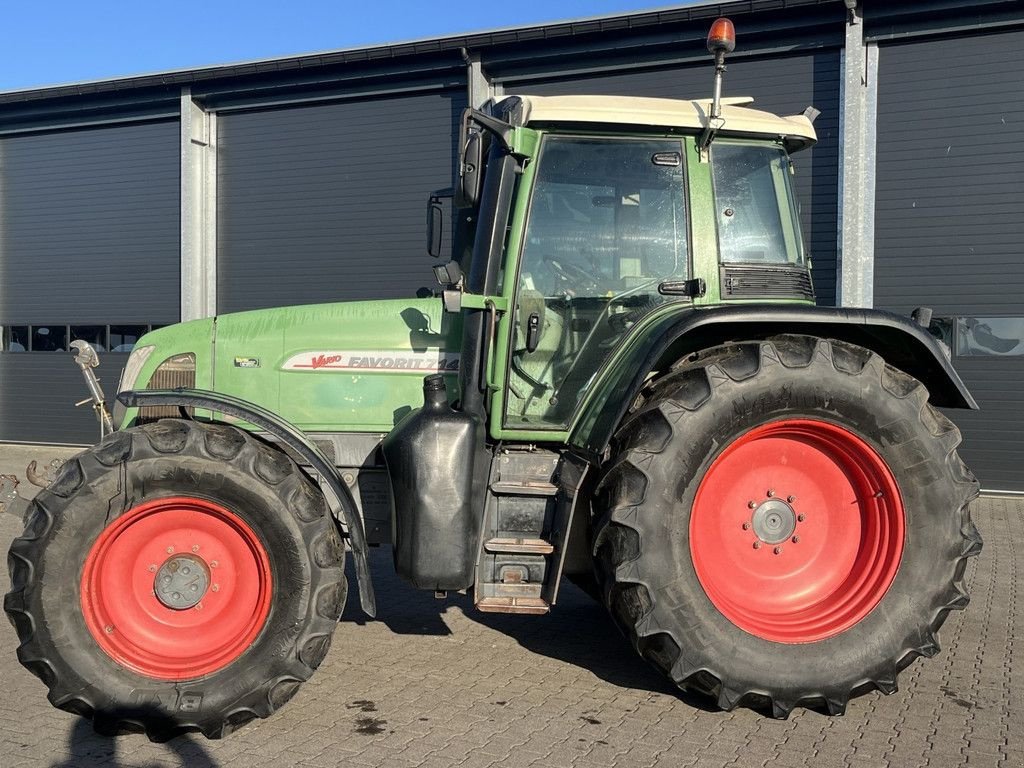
x=530, y=504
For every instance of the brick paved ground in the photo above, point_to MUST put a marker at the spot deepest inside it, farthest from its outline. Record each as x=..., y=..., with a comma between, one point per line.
x=433, y=684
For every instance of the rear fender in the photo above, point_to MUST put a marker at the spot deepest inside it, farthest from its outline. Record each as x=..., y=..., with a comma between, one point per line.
x=656, y=345
x=290, y=436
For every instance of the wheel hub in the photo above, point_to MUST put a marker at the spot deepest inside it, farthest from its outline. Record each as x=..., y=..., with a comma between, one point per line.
x=181, y=582
x=773, y=521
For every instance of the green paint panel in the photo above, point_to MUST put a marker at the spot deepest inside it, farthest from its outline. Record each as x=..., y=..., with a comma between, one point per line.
x=354, y=366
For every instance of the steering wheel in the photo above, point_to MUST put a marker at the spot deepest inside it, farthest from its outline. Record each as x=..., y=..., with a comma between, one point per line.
x=583, y=282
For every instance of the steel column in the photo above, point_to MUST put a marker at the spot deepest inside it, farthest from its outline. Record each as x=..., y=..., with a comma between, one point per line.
x=480, y=90
x=198, y=209
x=855, y=258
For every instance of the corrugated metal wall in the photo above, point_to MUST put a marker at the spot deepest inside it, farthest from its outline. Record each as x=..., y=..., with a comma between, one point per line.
x=950, y=215
x=328, y=202
x=782, y=84
x=88, y=235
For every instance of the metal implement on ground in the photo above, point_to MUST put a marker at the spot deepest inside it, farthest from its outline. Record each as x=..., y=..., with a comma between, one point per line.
x=623, y=380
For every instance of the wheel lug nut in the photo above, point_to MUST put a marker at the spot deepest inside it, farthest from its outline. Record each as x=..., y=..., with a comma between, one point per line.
x=214, y=563
x=215, y=587
x=795, y=539
x=195, y=547
x=170, y=550
x=801, y=518
x=791, y=499
x=777, y=550
x=752, y=504
x=757, y=545
x=746, y=526
x=770, y=493
x=109, y=629
x=152, y=569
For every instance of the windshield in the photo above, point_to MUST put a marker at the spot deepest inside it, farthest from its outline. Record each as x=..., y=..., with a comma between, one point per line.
x=757, y=222
x=607, y=224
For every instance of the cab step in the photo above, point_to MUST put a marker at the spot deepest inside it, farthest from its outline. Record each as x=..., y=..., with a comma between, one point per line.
x=530, y=605
x=524, y=488
x=509, y=546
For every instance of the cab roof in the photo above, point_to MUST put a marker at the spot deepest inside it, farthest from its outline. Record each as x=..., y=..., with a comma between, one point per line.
x=796, y=131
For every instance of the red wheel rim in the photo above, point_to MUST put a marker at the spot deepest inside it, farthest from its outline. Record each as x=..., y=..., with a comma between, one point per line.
x=176, y=588
x=797, y=531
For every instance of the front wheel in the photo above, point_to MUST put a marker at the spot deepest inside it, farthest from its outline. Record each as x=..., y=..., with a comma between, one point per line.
x=784, y=522
x=176, y=577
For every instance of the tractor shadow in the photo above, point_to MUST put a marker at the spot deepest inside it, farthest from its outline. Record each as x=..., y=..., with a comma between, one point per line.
x=86, y=747
x=578, y=630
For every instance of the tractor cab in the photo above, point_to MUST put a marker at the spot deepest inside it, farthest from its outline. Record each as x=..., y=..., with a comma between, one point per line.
x=616, y=207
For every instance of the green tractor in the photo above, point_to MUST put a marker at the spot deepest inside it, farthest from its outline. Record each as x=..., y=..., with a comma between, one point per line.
x=624, y=380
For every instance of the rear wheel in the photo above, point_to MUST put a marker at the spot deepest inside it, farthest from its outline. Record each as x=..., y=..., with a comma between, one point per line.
x=176, y=577
x=784, y=522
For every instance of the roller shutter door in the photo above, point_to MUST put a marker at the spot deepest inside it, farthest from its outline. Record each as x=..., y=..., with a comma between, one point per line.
x=784, y=85
x=950, y=222
x=88, y=240
x=327, y=202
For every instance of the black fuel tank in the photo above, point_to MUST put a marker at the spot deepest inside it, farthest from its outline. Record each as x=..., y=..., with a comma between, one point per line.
x=434, y=457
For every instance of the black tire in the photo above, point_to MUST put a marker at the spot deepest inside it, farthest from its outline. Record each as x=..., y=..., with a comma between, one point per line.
x=646, y=493
x=172, y=458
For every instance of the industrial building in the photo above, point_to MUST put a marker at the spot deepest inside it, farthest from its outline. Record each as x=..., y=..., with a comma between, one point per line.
x=136, y=202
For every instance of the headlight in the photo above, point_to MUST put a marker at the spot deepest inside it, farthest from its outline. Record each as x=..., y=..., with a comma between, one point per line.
x=136, y=360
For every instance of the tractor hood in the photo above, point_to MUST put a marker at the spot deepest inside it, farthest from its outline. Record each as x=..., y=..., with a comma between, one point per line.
x=354, y=366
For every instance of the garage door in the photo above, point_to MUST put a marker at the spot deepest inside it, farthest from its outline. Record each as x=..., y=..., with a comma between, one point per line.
x=949, y=224
x=327, y=202
x=88, y=249
x=785, y=85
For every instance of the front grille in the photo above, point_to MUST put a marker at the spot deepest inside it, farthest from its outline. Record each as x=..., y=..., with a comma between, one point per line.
x=176, y=371
x=757, y=282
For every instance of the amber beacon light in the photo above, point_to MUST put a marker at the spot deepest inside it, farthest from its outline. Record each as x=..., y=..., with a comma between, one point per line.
x=722, y=37
x=721, y=40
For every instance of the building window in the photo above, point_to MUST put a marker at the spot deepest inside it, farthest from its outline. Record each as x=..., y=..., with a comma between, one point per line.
x=49, y=338
x=124, y=337
x=15, y=338
x=990, y=336
x=95, y=335
x=57, y=338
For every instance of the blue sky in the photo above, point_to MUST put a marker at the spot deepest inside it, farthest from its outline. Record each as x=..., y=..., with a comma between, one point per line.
x=57, y=41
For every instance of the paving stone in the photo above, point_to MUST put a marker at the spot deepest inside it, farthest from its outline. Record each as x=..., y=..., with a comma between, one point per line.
x=456, y=688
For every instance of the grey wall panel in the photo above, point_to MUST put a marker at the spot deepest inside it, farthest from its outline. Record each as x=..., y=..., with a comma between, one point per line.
x=327, y=202
x=89, y=236
x=89, y=225
x=781, y=84
x=38, y=393
x=949, y=227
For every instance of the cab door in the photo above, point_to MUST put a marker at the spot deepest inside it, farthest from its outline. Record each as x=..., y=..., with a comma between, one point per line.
x=607, y=225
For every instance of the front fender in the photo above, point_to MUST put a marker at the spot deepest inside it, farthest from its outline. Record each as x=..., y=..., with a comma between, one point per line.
x=290, y=436
x=656, y=345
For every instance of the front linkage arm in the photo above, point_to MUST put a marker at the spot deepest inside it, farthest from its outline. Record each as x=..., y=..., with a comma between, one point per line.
x=290, y=436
